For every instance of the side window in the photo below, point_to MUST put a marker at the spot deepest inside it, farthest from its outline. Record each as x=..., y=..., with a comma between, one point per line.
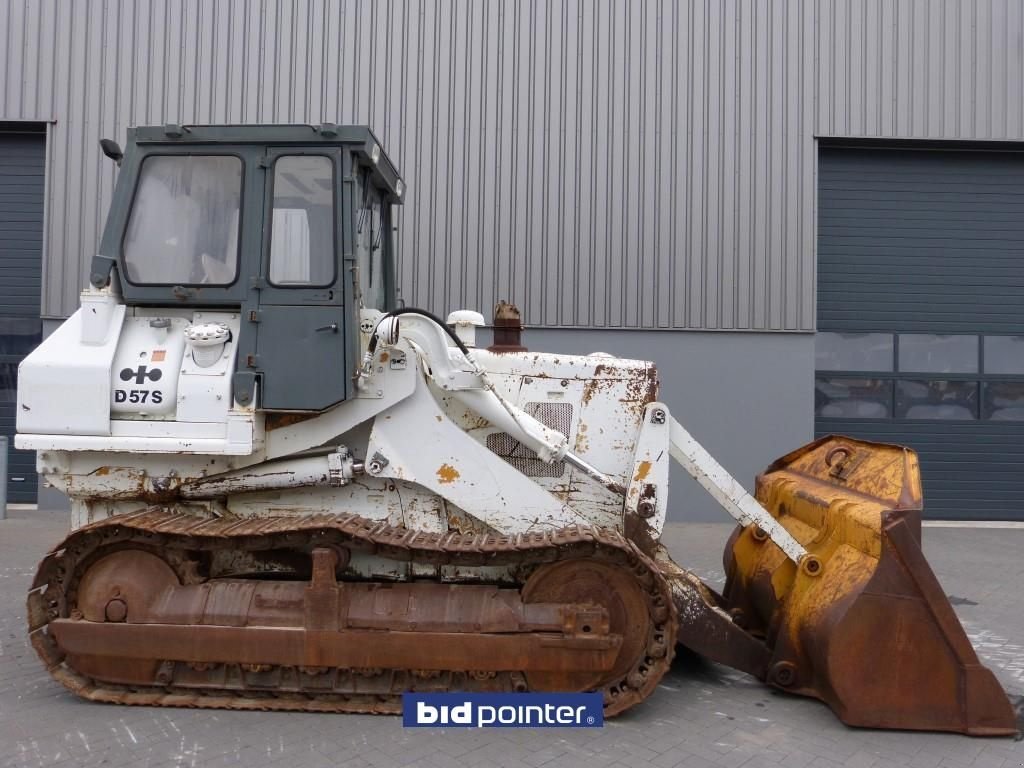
x=370, y=252
x=302, y=223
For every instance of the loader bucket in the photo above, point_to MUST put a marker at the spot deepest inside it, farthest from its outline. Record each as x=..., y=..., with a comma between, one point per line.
x=862, y=623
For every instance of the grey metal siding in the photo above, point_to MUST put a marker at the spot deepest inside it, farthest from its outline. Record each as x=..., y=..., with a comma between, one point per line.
x=22, y=157
x=606, y=164
x=929, y=241
x=609, y=164
x=921, y=240
x=939, y=69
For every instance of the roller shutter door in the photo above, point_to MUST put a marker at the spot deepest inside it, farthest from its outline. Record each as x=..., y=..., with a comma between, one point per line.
x=921, y=316
x=22, y=162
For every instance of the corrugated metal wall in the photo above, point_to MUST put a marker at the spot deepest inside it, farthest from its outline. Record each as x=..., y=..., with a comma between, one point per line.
x=937, y=69
x=606, y=164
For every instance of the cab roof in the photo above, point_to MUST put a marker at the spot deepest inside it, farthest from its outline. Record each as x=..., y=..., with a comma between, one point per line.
x=359, y=138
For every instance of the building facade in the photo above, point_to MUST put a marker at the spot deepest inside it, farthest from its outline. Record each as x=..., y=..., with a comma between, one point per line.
x=704, y=184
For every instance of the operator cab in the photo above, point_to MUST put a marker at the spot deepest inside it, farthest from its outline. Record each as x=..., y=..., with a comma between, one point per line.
x=291, y=226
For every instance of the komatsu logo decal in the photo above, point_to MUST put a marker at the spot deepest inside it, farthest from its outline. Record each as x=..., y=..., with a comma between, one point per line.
x=140, y=374
x=502, y=710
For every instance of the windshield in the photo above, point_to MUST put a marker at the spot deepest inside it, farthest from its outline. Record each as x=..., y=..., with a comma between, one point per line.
x=183, y=228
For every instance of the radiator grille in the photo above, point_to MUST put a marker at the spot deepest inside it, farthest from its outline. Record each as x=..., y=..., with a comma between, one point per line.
x=554, y=415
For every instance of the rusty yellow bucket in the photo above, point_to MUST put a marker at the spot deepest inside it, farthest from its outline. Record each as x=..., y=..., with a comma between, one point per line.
x=861, y=624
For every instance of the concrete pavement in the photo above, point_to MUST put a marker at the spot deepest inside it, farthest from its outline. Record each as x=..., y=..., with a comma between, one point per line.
x=702, y=714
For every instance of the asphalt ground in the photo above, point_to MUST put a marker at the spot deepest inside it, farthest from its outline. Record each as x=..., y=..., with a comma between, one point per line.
x=702, y=714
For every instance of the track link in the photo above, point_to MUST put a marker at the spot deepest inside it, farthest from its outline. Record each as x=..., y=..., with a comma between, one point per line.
x=182, y=539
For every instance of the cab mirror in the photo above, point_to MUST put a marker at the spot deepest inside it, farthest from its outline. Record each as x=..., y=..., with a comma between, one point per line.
x=112, y=150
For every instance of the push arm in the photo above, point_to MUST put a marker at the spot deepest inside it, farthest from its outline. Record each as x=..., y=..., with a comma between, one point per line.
x=727, y=491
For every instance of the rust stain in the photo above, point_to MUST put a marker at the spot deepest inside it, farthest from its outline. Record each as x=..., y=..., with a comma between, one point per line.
x=102, y=472
x=641, y=386
x=642, y=471
x=639, y=531
x=582, y=443
x=594, y=386
x=588, y=393
x=465, y=525
x=384, y=357
x=278, y=420
x=446, y=473
x=439, y=417
x=643, y=389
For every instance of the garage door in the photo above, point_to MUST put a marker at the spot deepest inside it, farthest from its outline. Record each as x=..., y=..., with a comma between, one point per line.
x=22, y=158
x=921, y=316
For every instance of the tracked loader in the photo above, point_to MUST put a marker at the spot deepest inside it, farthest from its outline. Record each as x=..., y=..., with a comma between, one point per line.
x=289, y=492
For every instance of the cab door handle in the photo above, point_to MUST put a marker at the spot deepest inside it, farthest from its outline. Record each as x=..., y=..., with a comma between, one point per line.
x=333, y=328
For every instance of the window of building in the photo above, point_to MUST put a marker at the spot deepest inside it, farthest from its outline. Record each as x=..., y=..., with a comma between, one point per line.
x=849, y=398
x=1002, y=400
x=19, y=335
x=919, y=376
x=1004, y=355
x=937, y=353
x=853, y=351
x=8, y=382
x=936, y=399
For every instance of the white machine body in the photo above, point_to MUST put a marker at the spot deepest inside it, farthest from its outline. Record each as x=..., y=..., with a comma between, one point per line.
x=126, y=378
x=435, y=440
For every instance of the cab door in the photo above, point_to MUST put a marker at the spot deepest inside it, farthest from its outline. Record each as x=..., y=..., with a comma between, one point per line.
x=301, y=332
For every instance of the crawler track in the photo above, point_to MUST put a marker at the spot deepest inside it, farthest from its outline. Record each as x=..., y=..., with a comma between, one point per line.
x=553, y=568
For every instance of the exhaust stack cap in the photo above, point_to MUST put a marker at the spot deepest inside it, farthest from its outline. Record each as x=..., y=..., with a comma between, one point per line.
x=465, y=322
x=508, y=329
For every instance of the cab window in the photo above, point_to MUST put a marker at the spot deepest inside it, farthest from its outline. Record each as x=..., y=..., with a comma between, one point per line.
x=370, y=253
x=184, y=223
x=302, y=222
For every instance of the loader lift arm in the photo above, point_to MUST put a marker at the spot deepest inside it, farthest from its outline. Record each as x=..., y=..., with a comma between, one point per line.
x=728, y=491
